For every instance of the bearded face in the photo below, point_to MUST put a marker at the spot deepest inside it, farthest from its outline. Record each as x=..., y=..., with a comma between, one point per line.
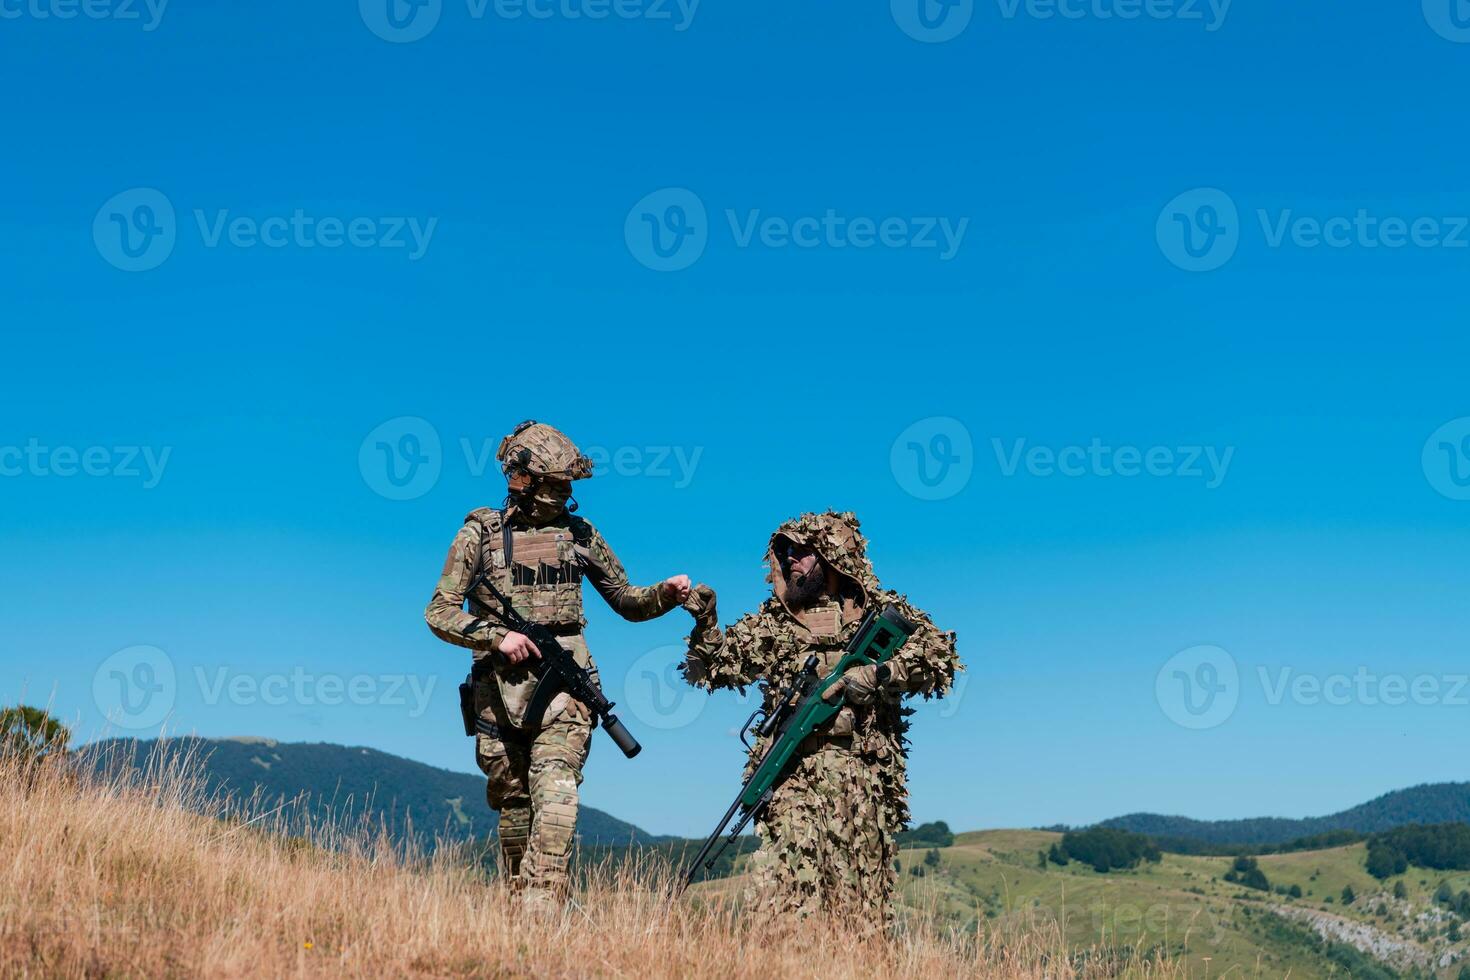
x=806, y=575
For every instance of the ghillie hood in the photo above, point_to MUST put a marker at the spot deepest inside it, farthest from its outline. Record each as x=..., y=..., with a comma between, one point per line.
x=835, y=537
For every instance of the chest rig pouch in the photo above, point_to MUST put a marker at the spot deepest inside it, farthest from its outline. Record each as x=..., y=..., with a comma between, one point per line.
x=538, y=572
x=827, y=641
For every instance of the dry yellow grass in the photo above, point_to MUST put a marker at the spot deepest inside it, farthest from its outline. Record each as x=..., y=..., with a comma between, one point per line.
x=143, y=877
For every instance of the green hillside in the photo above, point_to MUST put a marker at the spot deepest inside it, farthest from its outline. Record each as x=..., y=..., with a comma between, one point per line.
x=351, y=783
x=1183, y=904
x=1428, y=804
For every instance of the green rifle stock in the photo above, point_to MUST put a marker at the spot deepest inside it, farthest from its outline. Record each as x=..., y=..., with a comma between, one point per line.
x=796, y=713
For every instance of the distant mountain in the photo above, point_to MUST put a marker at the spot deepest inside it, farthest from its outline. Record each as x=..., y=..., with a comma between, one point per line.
x=350, y=782
x=1430, y=803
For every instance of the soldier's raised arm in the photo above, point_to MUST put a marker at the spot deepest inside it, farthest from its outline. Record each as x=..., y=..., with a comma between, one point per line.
x=445, y=614
x=732, y=658
x=926, y=664
x=635, y=603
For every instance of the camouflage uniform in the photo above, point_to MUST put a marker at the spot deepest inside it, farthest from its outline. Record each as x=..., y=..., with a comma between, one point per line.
x=533, y=765
x=827, y=839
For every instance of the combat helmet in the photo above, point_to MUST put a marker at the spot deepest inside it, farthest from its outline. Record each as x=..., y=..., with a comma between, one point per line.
x=535, y=451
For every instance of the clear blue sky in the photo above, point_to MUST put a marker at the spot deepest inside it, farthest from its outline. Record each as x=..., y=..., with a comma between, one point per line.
x=1054, y=148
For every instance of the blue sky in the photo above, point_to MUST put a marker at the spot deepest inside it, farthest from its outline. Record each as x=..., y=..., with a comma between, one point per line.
x=789, y=337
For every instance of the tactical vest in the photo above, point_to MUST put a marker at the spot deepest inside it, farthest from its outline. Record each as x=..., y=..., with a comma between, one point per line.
x=542, y=577
x=828, y=642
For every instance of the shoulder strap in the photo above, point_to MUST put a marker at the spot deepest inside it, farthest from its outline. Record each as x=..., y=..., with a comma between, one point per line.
x=581, y=531
x=492, y=520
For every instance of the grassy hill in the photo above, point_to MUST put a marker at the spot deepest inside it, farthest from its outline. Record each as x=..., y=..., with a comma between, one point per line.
x=993, y=880
x=119, y=877
x=1428, y=804
x=1183, y=905
x=350, y=783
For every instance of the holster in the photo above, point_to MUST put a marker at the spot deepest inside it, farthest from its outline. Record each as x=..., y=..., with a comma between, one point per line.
x=467, y=704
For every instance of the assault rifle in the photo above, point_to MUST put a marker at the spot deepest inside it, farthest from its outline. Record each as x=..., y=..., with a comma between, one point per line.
x=795, y=713
x=556, y=670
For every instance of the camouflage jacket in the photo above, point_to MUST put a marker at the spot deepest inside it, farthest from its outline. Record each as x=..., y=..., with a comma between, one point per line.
x=774, y=642
x=543, y=581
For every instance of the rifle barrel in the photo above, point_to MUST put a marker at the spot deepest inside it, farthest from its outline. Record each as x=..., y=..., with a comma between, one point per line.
x=709, y=844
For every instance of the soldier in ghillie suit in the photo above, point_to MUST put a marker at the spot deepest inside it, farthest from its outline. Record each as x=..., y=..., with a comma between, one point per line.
x=535, y=553
x=827, y=839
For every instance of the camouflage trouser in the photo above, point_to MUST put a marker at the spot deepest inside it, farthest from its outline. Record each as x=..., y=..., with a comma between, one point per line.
x=826, y=843
x=532, y=782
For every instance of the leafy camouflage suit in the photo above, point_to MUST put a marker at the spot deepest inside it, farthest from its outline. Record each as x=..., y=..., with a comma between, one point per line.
x=533, y=765
x=827, y=840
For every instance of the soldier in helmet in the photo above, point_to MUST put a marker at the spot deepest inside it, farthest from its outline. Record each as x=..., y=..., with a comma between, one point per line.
x=827, y=839
x=534, y=552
